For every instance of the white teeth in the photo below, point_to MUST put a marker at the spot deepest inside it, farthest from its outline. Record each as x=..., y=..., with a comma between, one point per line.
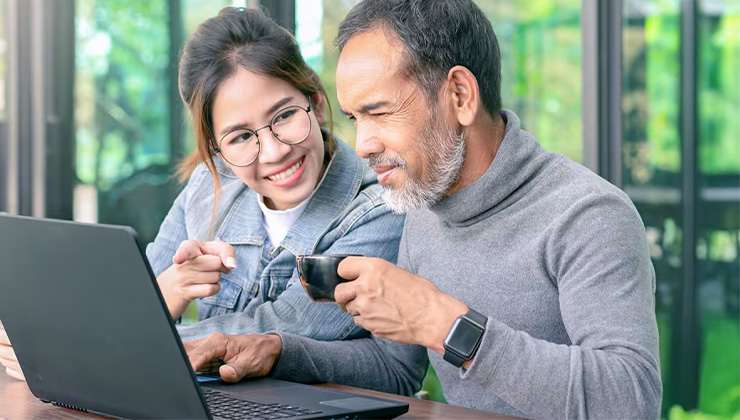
x=286, y=173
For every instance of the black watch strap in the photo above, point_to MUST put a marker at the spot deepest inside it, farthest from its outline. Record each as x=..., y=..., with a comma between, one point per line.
x=475, y=318
x=453, y=358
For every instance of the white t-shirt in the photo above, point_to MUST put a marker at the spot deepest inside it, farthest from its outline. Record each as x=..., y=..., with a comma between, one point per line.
x=278, y=222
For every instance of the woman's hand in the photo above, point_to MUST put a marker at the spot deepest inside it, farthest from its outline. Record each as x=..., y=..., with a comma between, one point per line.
x=7, y=357
x=195, y=273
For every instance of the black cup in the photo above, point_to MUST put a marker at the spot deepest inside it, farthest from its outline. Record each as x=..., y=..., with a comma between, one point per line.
x=319, y=276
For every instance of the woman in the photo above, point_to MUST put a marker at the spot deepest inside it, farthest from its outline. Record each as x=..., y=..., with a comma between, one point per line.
x=267, y=182
x=274, y=182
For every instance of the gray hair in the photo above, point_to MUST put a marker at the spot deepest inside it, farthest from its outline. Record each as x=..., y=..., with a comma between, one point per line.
x=436, y=35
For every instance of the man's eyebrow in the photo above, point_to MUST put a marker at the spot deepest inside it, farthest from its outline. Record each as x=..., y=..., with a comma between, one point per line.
x=373, y=106
x=277, y=105
x=365, y=109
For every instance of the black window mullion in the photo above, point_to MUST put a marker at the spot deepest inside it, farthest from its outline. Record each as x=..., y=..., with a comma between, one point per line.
x=688, y=373
x=282, y=12
x=610, y=91
x=176, y=107
x=25, y=109
x=59, y=52
x=3, y=166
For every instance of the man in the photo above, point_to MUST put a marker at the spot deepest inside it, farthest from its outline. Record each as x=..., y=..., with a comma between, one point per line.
x=525, y=276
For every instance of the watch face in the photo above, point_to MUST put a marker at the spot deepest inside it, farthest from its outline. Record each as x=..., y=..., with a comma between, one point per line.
x=464, y=337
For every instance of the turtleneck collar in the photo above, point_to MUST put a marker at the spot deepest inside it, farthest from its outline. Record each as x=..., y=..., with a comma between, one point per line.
x=518, y=160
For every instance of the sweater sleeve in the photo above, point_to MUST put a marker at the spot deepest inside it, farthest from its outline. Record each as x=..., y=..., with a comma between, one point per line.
x=597, y=254
x=370, y=363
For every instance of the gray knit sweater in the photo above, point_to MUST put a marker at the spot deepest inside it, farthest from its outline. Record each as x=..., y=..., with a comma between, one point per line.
x=556, y=258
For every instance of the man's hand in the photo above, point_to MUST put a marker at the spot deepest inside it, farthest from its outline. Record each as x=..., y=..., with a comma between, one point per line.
x=7, y=357
x=394, y=304
x=245, y=356
x=195, y=273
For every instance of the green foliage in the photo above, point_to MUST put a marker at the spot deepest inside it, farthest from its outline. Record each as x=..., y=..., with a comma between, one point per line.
x=662, y=73
x=121, y=88
x=677, y=413
x=432, y=386
x=334, y=13
x=719, y=392
x=541, y=68
x=719, y=93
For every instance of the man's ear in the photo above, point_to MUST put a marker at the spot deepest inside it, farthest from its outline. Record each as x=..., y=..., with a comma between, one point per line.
x=318, y=104
x=464, y=94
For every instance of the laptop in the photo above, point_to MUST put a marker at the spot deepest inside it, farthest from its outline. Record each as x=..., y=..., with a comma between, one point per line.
x=92, y=333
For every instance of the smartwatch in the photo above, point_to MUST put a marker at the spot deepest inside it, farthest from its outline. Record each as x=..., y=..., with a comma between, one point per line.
x=464, y=338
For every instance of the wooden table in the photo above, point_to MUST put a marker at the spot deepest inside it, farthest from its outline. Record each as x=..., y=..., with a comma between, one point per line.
x=17, y=403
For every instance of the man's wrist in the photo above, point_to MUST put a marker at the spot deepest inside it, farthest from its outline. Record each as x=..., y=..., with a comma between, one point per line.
x=448, y=309
x=464, y=338
x=276, y=342
x=275, y=348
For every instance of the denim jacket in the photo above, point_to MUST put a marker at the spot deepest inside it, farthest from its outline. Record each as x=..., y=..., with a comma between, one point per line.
x=346, y=215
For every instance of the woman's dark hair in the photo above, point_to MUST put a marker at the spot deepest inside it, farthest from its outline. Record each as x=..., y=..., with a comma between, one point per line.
x=239, y=38
x=437, y=35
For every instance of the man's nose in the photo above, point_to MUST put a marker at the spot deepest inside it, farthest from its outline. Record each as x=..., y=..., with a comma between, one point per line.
x=272, y=149
x=367, y=143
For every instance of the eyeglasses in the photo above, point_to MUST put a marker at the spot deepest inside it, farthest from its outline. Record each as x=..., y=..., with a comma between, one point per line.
x=290, y=125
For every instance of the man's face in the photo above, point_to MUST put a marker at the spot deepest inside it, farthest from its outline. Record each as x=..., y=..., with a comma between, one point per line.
x=410, y=144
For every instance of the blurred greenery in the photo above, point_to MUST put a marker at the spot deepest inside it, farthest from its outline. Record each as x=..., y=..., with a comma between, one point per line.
x=652, y=158
x=720, y=371
x=121, y=89
x=677, y=413
x=540, y=44
x=432, y=386
x=719, y=90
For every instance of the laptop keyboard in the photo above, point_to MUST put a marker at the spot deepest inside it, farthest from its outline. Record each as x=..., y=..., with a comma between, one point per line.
x=225, y=405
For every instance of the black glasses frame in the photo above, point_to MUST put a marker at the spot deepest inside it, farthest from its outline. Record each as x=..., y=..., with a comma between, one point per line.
x=307, y=110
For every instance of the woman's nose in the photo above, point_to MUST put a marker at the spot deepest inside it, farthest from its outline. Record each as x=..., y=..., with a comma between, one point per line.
x=273, y=150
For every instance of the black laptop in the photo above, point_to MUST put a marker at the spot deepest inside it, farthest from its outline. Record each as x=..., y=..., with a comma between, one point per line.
x=92, y=333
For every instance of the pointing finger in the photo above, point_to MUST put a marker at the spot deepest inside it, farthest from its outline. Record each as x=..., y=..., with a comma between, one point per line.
x=222, y=249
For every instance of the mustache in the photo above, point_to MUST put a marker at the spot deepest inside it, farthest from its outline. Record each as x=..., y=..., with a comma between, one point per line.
x=384, y=160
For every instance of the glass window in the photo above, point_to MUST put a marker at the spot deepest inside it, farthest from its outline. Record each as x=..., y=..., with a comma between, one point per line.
x=652, y=153
x=541, y=63
x=541, y=68
x=316, y=23
x=652, y=176
x=121, y=114
x=718, y=208
x=124, y=162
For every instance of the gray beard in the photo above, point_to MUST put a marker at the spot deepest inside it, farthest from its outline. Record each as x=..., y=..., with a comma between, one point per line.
x=444, y=154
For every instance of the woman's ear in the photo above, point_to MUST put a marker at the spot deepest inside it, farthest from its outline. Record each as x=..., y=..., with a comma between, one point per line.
x=464, y=93
x=318, y=104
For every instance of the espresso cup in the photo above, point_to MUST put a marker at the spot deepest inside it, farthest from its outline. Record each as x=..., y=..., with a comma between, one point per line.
x=318, y=273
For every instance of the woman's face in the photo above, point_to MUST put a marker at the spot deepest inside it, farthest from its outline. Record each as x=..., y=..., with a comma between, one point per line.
x=284, y=174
